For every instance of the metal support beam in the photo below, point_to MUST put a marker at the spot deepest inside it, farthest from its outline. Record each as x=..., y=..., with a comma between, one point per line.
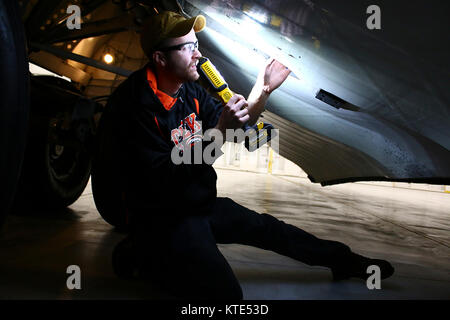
x=59, y=66
x=91, y=29
x=85, y=60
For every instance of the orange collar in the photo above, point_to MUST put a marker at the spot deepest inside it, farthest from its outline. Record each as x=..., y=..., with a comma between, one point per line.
x=166, y=100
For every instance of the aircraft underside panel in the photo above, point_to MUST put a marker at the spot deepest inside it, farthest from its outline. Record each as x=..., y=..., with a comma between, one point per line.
x=391, y=118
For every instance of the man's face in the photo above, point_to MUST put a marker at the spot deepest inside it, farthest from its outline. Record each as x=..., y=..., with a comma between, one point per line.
x=183, y=63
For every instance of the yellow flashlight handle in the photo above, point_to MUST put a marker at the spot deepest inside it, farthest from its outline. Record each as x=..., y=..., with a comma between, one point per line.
x=225, y=94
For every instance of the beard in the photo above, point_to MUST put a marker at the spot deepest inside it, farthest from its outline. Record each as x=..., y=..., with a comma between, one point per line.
x=184, y=73
x=189, y=74
x=194, y=76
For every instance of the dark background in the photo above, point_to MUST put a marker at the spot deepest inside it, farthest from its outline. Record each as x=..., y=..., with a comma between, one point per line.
x=419, y=27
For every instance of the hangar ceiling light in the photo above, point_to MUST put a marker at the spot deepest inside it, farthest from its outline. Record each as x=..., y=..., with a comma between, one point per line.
x=108, y=58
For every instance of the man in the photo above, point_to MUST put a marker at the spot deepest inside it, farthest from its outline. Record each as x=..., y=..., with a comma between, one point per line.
x=176, y=218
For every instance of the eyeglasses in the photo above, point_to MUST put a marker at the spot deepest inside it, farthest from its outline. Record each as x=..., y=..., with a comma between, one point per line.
x=192, y=46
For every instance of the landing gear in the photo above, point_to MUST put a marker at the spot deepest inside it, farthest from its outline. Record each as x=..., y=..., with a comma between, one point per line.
x=56, y=167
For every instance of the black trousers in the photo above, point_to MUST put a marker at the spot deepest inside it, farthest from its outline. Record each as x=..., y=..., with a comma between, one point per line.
x=181, y=255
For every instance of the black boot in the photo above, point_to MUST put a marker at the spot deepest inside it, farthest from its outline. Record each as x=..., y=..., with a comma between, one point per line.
x=356, y=267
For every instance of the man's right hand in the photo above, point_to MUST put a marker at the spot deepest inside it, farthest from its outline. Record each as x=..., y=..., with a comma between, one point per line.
x=234, y=114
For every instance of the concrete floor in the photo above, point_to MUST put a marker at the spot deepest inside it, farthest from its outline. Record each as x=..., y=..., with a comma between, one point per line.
x=410, y=228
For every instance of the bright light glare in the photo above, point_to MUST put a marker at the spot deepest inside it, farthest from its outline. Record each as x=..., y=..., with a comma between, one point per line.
x=249, y=27
x=261, y=17
x=108, y=58
x=255, y=35
x=37, y=71
x=241, y=53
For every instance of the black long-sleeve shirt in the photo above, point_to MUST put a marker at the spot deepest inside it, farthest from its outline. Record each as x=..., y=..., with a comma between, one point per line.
x=147, y=125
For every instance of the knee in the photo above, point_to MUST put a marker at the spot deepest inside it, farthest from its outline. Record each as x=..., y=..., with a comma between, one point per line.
x=224, y=202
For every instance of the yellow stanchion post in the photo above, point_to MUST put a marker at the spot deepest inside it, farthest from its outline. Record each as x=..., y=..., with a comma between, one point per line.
x=270, y=160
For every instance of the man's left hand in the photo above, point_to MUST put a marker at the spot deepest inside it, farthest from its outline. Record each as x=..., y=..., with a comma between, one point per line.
x=275, y=74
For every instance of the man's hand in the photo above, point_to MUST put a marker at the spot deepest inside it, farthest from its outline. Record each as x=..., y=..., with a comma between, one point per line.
x=234, y=114
x=274, y=75
x=269, y=79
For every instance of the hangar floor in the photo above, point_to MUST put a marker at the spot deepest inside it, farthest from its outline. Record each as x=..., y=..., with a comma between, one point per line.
x=410, y=228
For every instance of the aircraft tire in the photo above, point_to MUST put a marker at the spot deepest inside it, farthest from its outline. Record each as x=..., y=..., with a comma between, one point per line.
x=14, y=106
x=55, y=172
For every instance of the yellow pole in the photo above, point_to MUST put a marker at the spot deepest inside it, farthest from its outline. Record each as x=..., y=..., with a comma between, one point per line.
x=270, y=160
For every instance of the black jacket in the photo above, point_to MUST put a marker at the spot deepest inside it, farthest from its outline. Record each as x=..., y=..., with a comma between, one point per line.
x=145, y=133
